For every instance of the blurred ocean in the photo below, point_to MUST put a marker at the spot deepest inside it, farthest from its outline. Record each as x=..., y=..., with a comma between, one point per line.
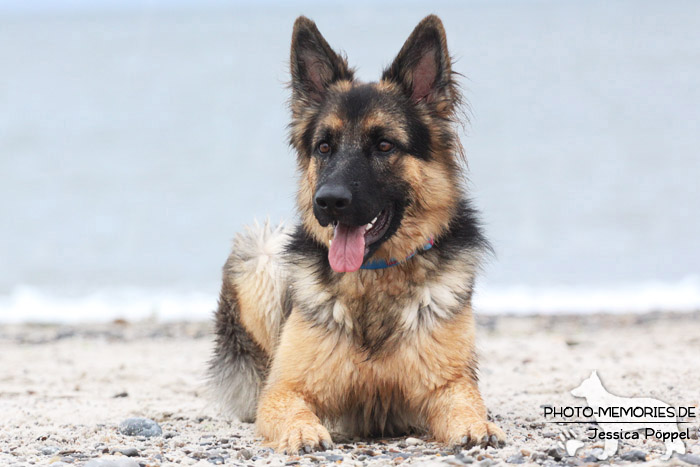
x=137, y=138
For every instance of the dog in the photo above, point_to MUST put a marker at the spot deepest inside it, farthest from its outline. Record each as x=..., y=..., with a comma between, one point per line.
x=359, y=318
x=597, y=397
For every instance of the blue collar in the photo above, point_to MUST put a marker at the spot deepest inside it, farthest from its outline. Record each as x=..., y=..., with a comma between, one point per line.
x=383, y=264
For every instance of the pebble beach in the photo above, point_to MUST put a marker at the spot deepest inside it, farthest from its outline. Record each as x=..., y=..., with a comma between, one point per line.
x=128, y=394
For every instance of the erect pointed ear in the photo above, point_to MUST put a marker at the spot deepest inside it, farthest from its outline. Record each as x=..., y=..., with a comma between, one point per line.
x=423, y=67
x=314, y=65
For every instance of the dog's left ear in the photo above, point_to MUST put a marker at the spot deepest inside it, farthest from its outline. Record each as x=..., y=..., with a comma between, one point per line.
x=422, y=67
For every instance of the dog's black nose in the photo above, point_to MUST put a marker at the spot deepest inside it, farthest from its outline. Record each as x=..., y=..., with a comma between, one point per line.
x=333, y=199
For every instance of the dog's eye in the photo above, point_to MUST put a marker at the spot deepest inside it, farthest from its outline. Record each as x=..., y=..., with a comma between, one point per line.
x=324, y=148
x=385, y=146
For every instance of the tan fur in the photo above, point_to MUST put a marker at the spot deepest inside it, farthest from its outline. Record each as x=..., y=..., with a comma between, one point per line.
x=333, y=122
x=316, y=375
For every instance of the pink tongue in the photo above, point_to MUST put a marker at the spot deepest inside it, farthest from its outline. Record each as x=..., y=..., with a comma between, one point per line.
x=348, y=248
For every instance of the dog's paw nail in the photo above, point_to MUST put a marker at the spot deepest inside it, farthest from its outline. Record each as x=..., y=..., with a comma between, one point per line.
x=493, y=441
x=484, y=441
x=471, y=442
x=307, y=448
x=326, y=445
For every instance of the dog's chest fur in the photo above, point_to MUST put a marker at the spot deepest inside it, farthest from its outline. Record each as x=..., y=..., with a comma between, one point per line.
x=380, y=308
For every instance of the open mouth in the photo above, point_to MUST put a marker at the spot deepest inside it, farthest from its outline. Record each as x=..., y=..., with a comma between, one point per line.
x=352, y=243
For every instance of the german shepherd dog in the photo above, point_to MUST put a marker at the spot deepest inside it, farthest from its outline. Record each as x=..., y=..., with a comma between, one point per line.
x=359, y=319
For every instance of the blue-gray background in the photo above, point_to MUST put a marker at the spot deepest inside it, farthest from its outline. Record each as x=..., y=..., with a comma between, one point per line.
x=137, y=137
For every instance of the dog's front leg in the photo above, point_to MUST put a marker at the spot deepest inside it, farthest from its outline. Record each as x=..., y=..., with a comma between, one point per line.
x=286, y=420
x=457, y=416
x=301, y=371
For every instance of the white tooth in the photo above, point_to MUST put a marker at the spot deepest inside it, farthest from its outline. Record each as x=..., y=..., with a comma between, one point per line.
x=330, y=242
x=368, y=226
x=374, y=220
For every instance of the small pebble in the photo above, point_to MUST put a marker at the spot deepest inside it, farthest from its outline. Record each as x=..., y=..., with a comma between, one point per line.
x=516, y=459
x=634, y=456
x=464, y=459
x=49, y=450
x=128, y=452
x=110, y=463
x=556, y=453
x=689, y=458
x=413, y=441
x=245, y=454
x=139, y=426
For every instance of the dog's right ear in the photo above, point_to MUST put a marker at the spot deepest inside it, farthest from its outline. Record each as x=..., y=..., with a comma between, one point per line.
x=314, y=65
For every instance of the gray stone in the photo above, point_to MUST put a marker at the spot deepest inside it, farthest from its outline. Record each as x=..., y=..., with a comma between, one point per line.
x=139, y=426
x=245, y=454
x=689, y=458
x=49, y=450
x=516, y=459
x=464, y=459
x=556, y=453
x=110, y=463
x=216, y=460
x=128, y=452
x=331, y=457
x=634, y=456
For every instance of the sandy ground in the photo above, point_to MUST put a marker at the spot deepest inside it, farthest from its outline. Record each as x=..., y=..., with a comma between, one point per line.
x=64, y=391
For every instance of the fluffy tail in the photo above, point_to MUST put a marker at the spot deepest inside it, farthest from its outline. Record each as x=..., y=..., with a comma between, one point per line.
x=253, y=304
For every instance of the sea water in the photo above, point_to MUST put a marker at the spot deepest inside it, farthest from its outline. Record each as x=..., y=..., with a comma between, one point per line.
x=137, y=138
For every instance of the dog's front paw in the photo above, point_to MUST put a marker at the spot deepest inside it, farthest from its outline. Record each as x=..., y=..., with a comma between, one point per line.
x=481, y=433
x=304, y=437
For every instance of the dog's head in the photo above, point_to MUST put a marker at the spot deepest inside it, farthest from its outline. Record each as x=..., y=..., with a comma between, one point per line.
x=378, y=161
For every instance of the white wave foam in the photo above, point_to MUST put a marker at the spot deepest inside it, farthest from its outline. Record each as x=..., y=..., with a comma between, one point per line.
x=28, y=304
x=634, y=298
